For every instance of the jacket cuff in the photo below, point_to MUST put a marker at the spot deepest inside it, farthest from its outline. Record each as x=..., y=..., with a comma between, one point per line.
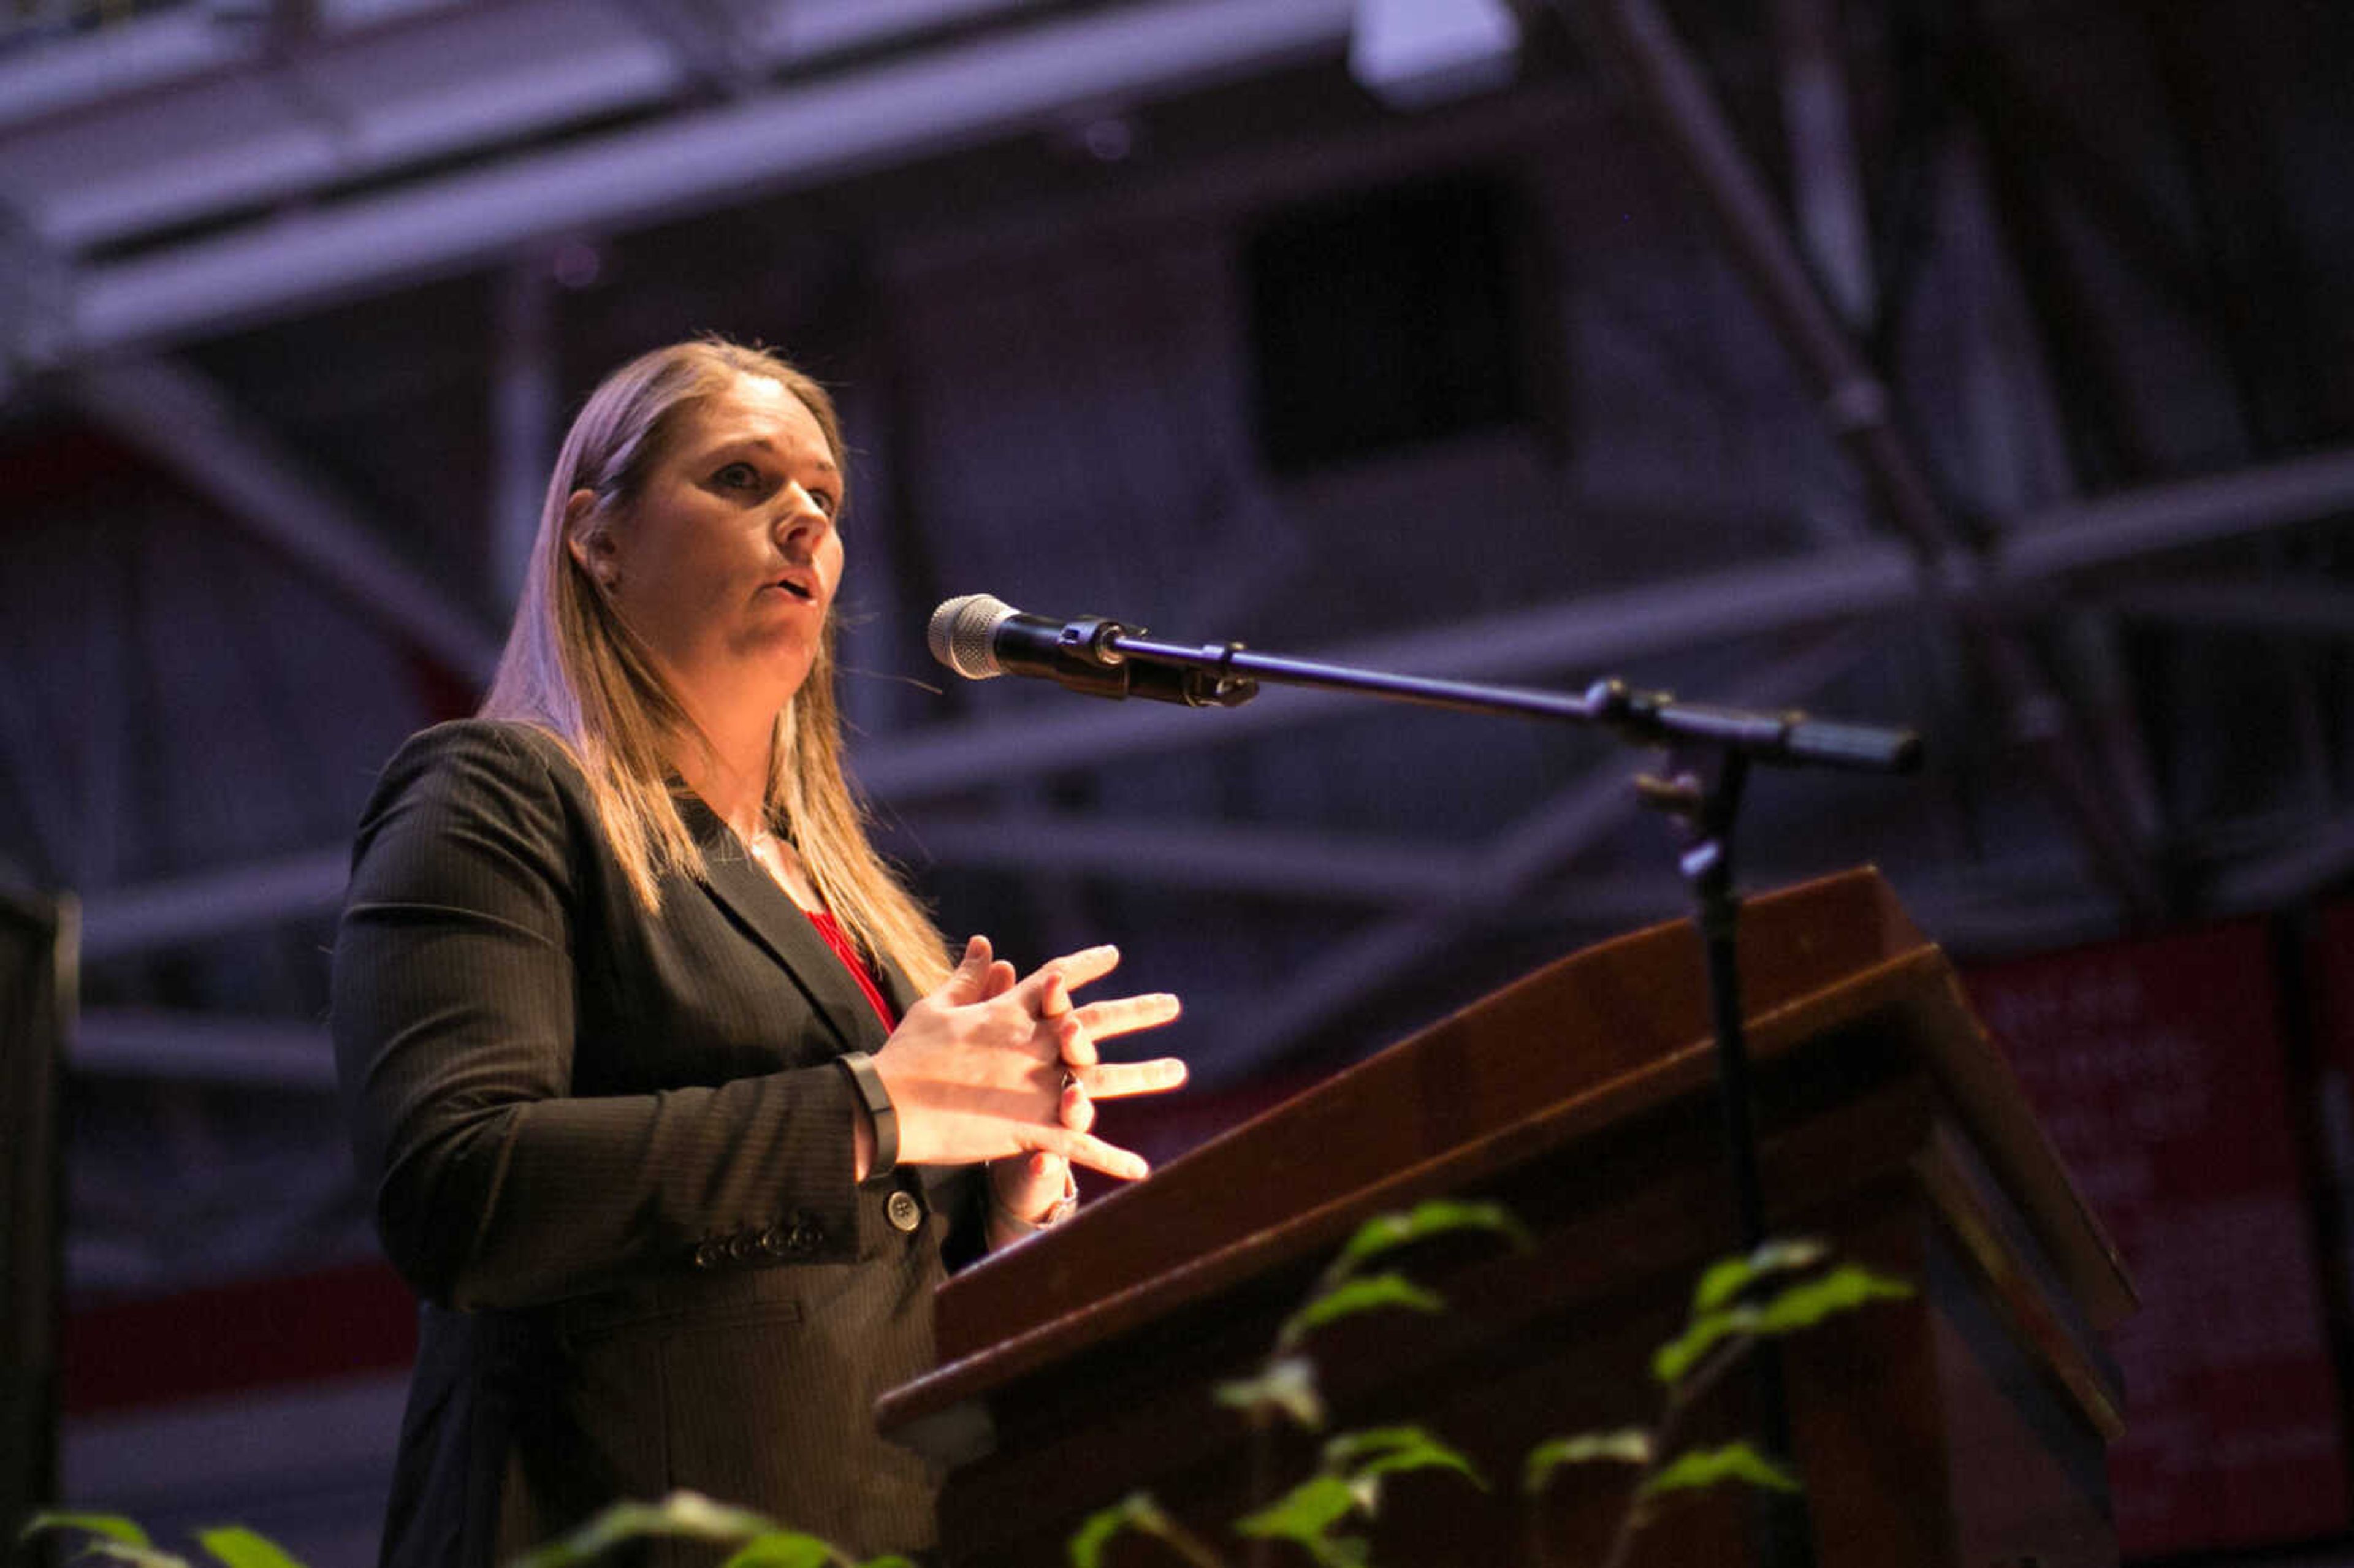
x=814, y=1215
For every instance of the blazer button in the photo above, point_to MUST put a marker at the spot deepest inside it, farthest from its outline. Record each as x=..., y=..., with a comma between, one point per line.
x=745, y=1247
x=776, y=1241
x=902, y=1209
x=710, y=1254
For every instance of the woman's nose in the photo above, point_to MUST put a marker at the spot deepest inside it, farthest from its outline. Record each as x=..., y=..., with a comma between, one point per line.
x=802, y=510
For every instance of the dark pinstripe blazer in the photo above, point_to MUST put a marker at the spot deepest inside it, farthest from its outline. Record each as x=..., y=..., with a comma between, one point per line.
x=610, y=1151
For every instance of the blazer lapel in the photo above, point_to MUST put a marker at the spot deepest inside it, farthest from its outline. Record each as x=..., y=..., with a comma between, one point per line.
x=897, y=989
x=742, y=886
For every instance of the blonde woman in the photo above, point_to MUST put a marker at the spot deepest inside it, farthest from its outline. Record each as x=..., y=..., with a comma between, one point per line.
x=673, y=1101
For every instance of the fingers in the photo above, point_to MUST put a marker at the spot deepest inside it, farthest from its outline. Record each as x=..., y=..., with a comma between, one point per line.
x=1054, y=996
x=1066, y=975
x=1029, y=1185
x=1126, y=1015
x=998, y=981
x=968, y=982
x=1077, y=1107
x=1084, y=1148
x=1076, y=1032
x=1116, y=1080
x=1072, y=1041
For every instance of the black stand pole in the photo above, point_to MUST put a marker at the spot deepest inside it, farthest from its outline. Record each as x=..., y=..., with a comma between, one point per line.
x=1710, y=752
x=1703, y=794
x=1702, y=791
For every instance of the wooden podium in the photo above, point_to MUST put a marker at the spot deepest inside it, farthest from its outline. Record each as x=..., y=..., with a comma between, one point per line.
x=1965, y=1427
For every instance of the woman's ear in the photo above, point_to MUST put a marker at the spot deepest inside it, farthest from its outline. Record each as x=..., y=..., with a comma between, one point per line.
x=590, y=542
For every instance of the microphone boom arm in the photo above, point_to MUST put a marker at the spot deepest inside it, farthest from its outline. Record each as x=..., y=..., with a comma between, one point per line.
x=1647, y=717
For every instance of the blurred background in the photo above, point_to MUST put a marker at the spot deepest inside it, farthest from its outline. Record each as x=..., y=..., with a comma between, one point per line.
x=1984, y=366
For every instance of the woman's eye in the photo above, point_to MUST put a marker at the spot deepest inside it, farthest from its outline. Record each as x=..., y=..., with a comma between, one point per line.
x=737, y=476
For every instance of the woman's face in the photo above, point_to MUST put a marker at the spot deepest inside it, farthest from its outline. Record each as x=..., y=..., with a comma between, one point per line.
x=727, y=563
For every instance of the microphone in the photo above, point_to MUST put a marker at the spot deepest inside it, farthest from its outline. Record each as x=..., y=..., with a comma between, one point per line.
x=981, y=636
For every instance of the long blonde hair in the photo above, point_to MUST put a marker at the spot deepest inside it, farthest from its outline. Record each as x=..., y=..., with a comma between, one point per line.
x=573, y=668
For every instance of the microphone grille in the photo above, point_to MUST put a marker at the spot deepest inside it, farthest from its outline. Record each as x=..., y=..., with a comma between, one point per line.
x=960, y=632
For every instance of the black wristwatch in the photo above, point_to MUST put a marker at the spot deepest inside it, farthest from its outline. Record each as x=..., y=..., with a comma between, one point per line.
x=877, y=1101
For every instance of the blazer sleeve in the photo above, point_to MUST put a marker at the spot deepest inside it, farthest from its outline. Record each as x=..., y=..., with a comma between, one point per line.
x=453, y=1018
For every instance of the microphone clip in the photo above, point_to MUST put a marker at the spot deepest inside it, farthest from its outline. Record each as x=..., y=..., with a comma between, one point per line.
x=1095, y=640
x=1090, y=659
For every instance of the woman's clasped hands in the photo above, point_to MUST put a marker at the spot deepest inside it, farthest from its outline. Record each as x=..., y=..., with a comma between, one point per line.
x=992, y=1066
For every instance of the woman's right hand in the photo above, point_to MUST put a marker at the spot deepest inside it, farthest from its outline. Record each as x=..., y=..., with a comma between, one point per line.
x=979, y=1069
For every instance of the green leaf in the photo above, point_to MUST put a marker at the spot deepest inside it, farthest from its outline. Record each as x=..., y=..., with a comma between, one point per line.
x=1340, y=1550
x=242, y=1548
x=1699, y=1468
x=1387, y=1232
x=682, y=1513
x=783, y=1549
x=1287, y=1384
x=1728, y=1277
x=1387, y=1450
x=1352, y=1296
x=893, y=1560
x=1138, y=1511
x=1800, y=1306
x=116, y=1539
x=111, y=1526
x=136, y=1555
x=1679, y=1355
x=1842, y=1289
x=1627, y=1445
x=1307, y=1513
x=1310, y=1508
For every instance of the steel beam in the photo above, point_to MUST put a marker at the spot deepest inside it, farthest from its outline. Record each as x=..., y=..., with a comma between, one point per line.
x=2258, y=606
x=2134, y=524
x=2318, y=858
x=1826, y=177
x=800, y=31
x=309, y=111
x=1673, y=92
x=130, y=56
x=952, y=96
x=705, y=42
x=185, y=423
x=123, y=921
x=1270, y=863
x=184, y=117
x=526, y=418
x=201, y=1047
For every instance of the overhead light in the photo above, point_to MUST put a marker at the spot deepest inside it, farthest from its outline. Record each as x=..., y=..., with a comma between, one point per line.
x=1411, y=54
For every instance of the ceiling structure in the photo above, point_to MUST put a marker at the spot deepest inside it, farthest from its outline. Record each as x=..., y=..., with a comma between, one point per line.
x=1978, y=366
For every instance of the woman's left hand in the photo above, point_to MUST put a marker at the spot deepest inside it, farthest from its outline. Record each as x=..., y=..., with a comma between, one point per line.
x=1027, y=1190
x=1034, y=1190
x=1037, y=1189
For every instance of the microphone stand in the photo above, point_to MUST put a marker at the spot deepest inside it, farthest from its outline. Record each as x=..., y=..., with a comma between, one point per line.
x=1710, y=751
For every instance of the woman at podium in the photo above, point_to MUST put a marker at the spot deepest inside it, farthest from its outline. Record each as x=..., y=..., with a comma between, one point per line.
x=675, y=1104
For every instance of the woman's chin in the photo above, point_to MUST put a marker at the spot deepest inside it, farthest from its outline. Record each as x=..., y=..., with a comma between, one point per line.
x=778, y=657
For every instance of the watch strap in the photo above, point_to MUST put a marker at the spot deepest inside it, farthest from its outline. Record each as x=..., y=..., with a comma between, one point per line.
x=876, y=1098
